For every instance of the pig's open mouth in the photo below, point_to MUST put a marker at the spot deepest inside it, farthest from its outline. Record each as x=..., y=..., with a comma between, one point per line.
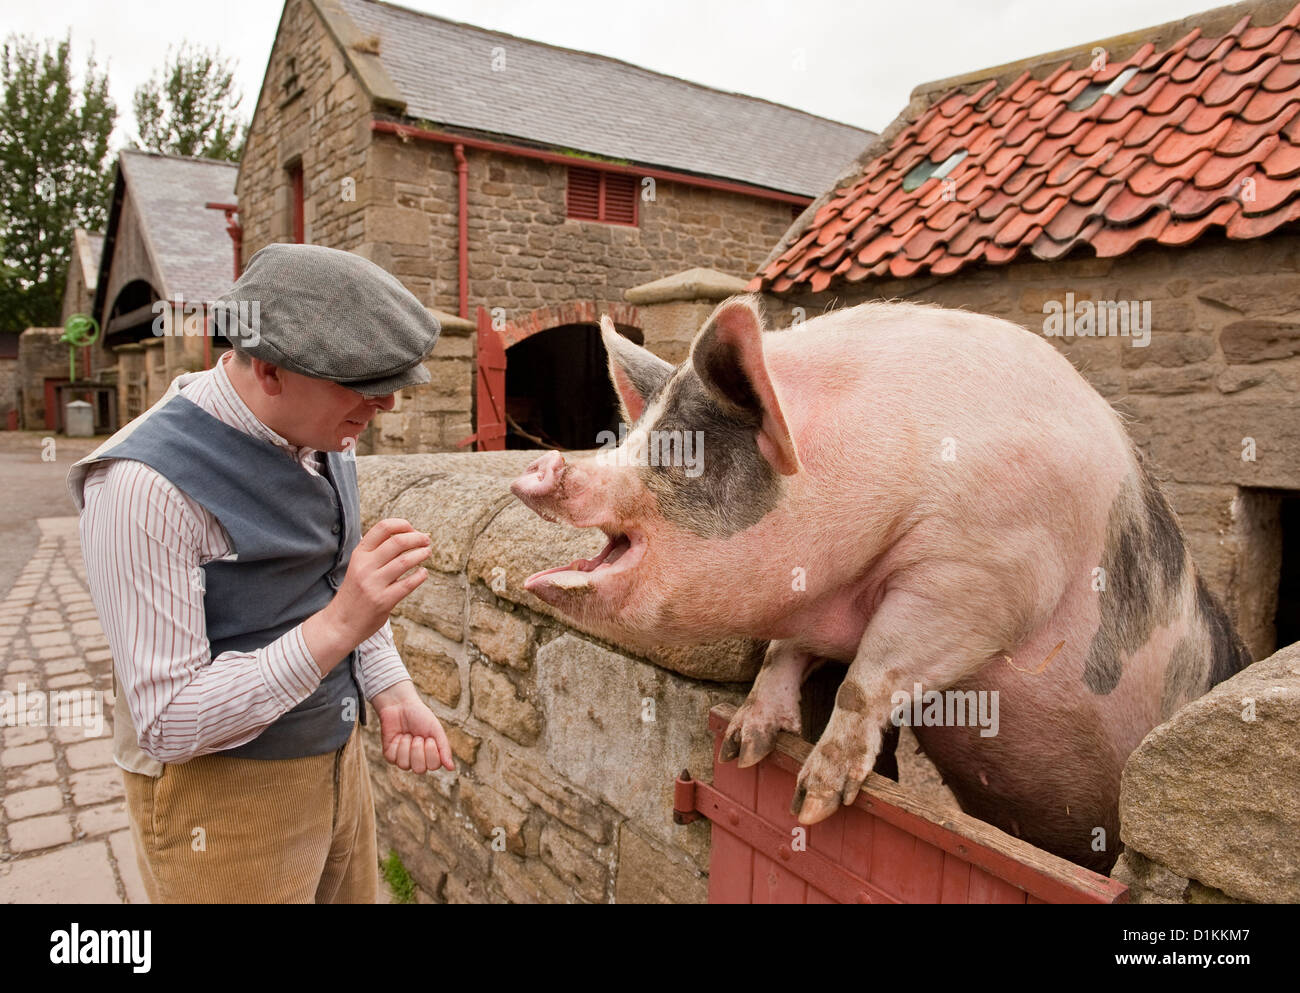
x=621, y=553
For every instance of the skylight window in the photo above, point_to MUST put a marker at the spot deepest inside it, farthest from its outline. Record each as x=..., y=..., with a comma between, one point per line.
x=1095, y=91
x=931, y=170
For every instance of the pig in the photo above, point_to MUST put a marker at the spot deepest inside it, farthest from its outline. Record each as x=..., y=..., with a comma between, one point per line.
x=936, y=499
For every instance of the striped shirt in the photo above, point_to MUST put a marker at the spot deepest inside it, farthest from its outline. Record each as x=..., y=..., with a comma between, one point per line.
x=144, y=542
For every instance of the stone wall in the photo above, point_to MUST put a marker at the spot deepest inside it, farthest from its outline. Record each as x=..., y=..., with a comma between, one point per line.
x=41, y=356
x=1210, y=801
x=1222, y=366
x=566, y=746
x=8, y=387
x=311, y=110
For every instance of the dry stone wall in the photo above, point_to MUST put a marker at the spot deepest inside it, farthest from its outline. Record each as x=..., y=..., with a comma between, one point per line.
x=566, y=746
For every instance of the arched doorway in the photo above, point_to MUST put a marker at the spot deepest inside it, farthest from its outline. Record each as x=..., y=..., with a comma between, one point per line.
x=558, y=393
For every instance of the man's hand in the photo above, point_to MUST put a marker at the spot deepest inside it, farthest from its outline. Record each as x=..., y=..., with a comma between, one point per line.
x=373, y=586
x=413, y=739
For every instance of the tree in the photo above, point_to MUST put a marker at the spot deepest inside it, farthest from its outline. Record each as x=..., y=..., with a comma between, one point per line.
x=189, y=108
x=55, y=173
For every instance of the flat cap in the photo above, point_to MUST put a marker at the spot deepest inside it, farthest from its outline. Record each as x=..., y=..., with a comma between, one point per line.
x=328, y=314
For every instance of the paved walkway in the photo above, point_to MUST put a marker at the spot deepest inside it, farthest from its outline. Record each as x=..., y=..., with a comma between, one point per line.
x=64, y=836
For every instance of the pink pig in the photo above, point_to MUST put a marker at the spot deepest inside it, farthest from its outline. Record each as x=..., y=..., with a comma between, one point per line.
x=931, y=496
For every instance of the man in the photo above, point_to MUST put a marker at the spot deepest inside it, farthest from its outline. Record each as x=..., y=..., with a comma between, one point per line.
x=247, y=618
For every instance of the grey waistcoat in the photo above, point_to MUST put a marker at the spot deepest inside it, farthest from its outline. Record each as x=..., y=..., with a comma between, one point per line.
x=293, y=534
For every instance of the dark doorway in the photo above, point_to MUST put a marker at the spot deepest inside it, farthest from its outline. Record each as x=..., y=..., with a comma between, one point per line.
x=558, y=393
x=1288, y=585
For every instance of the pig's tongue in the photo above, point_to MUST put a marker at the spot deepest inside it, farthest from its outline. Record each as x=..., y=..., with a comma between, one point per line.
x=578, y=572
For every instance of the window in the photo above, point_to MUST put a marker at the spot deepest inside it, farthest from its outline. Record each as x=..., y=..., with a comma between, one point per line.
x=594, y=195
x=295, y=200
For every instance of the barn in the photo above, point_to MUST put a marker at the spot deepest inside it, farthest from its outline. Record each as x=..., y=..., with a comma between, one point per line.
x=538, y=183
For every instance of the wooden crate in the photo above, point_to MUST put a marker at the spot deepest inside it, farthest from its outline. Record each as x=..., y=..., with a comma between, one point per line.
x=888, y=847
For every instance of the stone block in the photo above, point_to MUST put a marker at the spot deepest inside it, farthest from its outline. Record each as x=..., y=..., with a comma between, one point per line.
x=432, y=670
x=496, y=702
x=646, y=874
x=504, y=638
x=1212, y=793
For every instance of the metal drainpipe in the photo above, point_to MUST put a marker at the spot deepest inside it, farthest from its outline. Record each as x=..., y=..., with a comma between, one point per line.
x=462, y=223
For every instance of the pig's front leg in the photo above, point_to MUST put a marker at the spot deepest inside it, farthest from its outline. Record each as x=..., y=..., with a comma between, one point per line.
x=772, y=704
x=910, y=639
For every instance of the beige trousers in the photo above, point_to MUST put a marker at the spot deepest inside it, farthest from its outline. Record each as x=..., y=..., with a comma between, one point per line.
x=218, y=829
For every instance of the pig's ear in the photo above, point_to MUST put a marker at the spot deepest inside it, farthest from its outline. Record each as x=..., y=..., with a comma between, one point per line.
x=728, y=357
x=635, y=372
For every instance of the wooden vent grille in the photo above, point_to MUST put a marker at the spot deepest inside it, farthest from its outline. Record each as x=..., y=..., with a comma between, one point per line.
x=601, y=196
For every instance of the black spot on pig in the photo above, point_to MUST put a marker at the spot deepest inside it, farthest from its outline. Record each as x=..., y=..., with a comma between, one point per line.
x=1184, y=676
x=735, y=486
x=1144, y=561
x=1228, y=655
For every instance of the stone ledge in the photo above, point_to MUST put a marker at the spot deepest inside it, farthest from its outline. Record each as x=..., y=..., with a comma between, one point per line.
x=691, y=284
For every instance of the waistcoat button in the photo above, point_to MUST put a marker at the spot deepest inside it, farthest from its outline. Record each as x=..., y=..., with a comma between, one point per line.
x=334, y=529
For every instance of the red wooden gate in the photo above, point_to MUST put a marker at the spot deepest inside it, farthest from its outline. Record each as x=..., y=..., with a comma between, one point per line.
x=888, y=847
x=490, y=375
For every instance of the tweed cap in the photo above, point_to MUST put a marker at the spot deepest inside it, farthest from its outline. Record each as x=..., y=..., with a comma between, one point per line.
x=328, y=314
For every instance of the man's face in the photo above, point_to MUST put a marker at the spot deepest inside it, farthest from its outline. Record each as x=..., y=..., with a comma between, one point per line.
x=324, y=415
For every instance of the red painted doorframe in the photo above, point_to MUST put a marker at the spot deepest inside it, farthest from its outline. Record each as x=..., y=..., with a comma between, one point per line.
x=490, y=376
x=888, y=847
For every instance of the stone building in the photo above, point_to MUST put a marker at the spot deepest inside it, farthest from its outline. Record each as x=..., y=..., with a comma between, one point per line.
x=166, y=256
x=1159, y=170
x=535, y=182
x=42, y=364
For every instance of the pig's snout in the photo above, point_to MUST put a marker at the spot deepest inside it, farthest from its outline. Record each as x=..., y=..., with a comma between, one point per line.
x=542, y=481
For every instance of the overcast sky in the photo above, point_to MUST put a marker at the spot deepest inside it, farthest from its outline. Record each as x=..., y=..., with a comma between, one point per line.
x=861, y=60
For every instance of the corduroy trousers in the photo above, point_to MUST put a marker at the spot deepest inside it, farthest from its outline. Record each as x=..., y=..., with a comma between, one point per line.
x=218, y=829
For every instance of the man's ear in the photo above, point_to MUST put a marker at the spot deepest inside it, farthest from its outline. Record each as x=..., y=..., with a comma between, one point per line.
x=267, y=376
x=635, y=372
x=727, y=355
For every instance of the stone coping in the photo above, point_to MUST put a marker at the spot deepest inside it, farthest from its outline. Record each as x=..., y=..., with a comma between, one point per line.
x=691, y=284
x=463, y=500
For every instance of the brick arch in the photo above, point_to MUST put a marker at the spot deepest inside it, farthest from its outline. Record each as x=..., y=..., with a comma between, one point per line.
x=577, y=312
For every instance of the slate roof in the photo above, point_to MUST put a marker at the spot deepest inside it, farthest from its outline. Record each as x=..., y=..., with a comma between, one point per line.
x=1162, y=146
x=567, y=99
x=189, y=242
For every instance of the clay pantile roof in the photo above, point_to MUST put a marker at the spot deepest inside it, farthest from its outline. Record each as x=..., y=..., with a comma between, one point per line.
x=565, y=99
x=188, y=241
x=1169, y=140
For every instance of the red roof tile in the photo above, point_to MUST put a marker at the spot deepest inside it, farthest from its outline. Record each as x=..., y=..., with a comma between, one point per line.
x=1200, y=133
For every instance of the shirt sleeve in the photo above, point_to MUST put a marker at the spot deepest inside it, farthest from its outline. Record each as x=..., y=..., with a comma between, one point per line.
x=144, y=544
x=379, y=665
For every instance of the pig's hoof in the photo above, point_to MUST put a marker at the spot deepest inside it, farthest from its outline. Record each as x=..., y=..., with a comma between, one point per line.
x=815, y=809
x=750, y=736
x=835, y=769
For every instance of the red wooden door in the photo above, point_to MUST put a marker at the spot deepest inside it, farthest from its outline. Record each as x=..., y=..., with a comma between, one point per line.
x=53, y=415
x=490, y=376
x=887, y=848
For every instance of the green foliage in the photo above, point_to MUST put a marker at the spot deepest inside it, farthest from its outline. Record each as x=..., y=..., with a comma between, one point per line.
x=190, y=107
x=55, y=173
x=399, y=880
